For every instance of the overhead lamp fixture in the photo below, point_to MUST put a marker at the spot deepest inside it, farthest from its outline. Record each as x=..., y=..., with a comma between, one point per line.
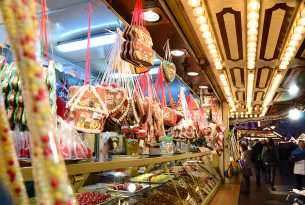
x=294, y=114
x=81, y=43
x=177, y=53
x=203, y=86
x=293, y=89
x=250, y=89
x=192, y=73
x=252, y=24
x=294, y=39
x=151, y=16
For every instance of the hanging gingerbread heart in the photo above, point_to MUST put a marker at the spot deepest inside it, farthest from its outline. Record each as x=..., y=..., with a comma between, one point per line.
x=115, y=97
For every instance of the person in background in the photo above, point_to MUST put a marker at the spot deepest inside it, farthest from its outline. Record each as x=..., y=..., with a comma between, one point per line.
x=283, y=156
x=247, y=169
x=271, y=158
x=298, y=156
x=291, y=148
x=256, y=158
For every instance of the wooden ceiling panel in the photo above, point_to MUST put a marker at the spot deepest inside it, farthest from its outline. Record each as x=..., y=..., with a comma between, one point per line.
x=263, y=77
x=259, y=96
x=238, y=77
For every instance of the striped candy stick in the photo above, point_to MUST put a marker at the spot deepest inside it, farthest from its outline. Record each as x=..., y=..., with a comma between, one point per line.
x=9, y=163
x=47, y=159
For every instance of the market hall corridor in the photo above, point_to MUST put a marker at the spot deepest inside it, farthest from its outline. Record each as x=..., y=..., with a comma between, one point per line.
x=262, y=194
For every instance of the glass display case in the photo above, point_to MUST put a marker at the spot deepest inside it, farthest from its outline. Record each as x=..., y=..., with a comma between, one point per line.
x=178, y=179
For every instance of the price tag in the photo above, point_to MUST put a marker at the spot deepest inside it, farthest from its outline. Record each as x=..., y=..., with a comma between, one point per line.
x=105, y=137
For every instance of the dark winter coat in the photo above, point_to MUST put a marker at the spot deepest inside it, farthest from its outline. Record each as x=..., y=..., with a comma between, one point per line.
x=256, y=150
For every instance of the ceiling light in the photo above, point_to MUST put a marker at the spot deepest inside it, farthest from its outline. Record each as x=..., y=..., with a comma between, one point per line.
x=296, y=37
x=286, y=58
x=193, y=73
x=301, y=22
x=251, y=58
x=79, y=44
x=251, y=54
x=204, y=28
x=289, y=54
x=253, y=6
x=217, y=63
x=177, y=53
x=293, y=43
x=198, y=11
x=219, y=67
x=283, y=66
x=203, y=86
x=207, y=34
x=209, y=40
x=253, y=15
x=251, y=50
x=211, y=46
x=151, y=16
x=201, y=20
x=252, y=32
x=284, y=63
x=252, y=38
x=290, y=49
x=294, y=114
x=298, y=30
x=251, y=66
x=215, y=55
x=251, y=45
x=293, y=89
x=216, y=60
x=213, y=51
x=252, y=24
x=194, y=3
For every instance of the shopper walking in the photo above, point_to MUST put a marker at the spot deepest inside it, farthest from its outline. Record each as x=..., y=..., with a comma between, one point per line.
x=271, y=158
x=283, y=156
x=257, y=159
x=245, y=155
x=298, y=156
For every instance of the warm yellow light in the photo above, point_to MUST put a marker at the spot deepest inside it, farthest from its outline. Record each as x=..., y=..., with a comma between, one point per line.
x=204, y=28
x=293, y=43
x=251, y=66
x=298, y=30
x=296, y=37
x=251, y=58
x=251, y=54
x=201, y=20
x=217, y=63
x=251, y=62
x=252, y=32
x=215, y=55
x=253, y=16
x=286, y=59
x=252, y=38
x=285, y=62
x=251, y=50
x=301, y=22
x=303, y=13
x=251, y=45
x=288, y=54
x=219, y=67
x=216, y=60
x=211, y=46
x=194, y=3
x=213, y=51
x=209, y=41
x=252, y=24
x=283, y=66
x=290, y=49
x=207, y=34
x=253, y=6
x=198, y=11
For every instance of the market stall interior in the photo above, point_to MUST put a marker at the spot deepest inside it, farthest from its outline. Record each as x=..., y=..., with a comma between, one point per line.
x=110, y=102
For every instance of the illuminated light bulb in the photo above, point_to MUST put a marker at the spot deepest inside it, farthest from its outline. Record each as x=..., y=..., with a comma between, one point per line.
x=301, y=22
x=252, y=24
x=207, y=34
x=253, y=6
x=252, y=32
x=252, y=16
x=252, y=38
x=217, y=63
x=298, y=30
x=251, y=66
x=286, y=59
x=209, y=41
x=290, y=49
x=216, y=60
x=201, y=20
x=303, y=13
x=251, y=58
x=251, y=115
x=296, y=37
x=251, y=62
x=194, y=3
x=288, y=54
x=293, y=43
x=215, y=55
x=211, y=46
x=219, y=67
x=284, y=63
x=283, y=66
x=213, y=51
x=251, y=45
x=255, y=115
x=204, y=28
x=198, y=11
x=246, y=115
x=251, y=54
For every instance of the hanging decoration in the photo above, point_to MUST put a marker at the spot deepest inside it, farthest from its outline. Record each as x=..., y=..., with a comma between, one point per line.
x=168, y=67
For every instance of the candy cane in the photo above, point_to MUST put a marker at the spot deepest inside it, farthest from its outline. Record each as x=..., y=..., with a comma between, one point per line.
x=50, y=175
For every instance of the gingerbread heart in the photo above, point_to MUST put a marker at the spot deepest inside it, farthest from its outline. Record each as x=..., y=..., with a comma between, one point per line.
x=169, y=71
x=115, y=98
x=122, y=112
x=207, y=131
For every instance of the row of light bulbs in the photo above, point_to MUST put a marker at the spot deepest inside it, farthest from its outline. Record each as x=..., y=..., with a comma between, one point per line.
x=293, y=41
x=242, y=116
x=225, y=84
x=252, y=17
x=275, y=84
x=202, y=21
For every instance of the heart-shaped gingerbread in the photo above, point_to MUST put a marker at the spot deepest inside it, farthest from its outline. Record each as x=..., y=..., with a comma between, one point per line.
x=115, y=98
x=169, y=71
x=207, y=131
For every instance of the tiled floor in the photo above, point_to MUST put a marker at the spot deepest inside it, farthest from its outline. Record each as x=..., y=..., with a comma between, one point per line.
x=262, y=194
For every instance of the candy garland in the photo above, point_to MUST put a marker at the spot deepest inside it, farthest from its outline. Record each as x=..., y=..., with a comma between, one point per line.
x=51, y=182
x=9, y=164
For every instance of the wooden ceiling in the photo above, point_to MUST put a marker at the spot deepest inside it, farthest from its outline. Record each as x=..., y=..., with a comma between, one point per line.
x=228, y=20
